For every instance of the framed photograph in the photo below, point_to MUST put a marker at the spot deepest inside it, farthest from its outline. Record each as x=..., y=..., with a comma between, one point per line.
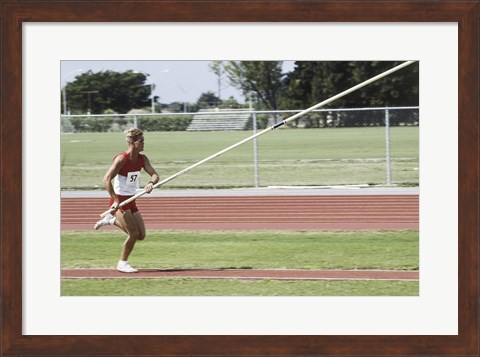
x=441, y=35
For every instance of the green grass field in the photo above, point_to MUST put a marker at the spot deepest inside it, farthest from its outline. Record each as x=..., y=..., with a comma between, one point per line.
x=287, y=157
x=396, y=250
x=266, y=287
x=331, y=156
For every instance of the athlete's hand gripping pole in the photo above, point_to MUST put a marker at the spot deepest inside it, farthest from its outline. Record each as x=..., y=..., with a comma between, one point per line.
x=289, y=119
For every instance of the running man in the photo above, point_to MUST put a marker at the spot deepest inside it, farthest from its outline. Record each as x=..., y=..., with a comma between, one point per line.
x=125, y=172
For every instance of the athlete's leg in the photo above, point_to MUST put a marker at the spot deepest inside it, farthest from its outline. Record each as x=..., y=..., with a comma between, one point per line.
x=120, y=221
x=133, y=232
x=137, y=216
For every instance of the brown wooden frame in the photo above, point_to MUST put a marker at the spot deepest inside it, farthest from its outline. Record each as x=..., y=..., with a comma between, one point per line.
x=16, y=12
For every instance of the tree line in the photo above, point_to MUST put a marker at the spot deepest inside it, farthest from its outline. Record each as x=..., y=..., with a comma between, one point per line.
x=263, y=84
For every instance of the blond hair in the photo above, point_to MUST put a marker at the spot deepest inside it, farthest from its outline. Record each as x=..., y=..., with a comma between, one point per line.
x=132, y=134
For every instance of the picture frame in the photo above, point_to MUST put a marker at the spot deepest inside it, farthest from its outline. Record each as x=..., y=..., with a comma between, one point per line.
x=465, y=13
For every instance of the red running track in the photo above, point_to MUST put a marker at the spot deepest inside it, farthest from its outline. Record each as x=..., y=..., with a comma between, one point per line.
x=257, y=212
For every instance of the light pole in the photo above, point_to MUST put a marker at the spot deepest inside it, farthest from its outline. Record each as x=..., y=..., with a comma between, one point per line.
x=151, y=86
x=64, y=91
x=185, y=91
x=89, y=92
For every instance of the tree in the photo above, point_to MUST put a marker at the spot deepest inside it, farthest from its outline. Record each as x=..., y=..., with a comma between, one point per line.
x=177, y=107
x=231, y=103
x=397, y=89
x=218, y=68
x=264, y=78
x=208, y=100
x=312, y=82
x=101, y=91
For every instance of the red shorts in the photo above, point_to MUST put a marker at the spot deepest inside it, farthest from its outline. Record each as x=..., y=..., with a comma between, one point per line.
x=132, y=206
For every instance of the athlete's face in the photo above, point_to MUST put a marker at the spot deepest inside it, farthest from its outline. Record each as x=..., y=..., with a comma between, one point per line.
x=139, y=143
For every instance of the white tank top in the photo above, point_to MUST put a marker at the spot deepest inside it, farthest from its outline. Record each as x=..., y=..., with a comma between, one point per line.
x=127, y=185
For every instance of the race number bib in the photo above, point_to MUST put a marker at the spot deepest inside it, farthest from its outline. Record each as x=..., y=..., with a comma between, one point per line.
x=133, y=179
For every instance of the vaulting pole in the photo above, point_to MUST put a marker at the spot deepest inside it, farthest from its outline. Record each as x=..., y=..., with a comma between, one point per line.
x=279, y=124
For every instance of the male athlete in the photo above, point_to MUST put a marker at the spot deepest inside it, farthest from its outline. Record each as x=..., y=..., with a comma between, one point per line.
x=125, y=173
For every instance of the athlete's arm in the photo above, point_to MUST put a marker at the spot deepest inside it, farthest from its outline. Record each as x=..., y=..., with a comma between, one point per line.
x=117, y=164
x=151, y=171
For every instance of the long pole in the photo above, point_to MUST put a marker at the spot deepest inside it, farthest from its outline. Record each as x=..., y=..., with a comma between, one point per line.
x=273, y=127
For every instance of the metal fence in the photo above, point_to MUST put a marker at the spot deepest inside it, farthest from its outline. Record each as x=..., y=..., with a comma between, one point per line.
x=377, y=146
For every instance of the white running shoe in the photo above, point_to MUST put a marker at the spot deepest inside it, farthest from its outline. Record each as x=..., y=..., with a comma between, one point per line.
x=108, y=220
x=125, y=267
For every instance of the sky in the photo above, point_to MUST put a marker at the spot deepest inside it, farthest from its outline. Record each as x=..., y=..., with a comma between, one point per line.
x=175, y=81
